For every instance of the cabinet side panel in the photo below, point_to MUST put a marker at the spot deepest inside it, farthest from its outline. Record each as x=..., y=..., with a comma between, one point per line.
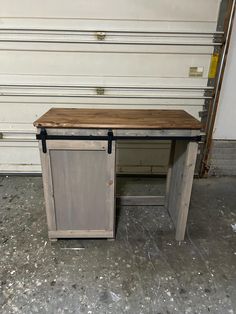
x=48, y=189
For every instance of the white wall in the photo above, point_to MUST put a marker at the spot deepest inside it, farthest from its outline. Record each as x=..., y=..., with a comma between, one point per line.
x=225, y=125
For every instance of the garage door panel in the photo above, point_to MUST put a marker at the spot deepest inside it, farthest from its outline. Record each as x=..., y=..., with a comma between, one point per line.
x=111, y=9
x=109, y=48
x=64, y=24
x=140, y=157
x=10, y=118
x=100, y=64
x=77, y=81
x=12, y=159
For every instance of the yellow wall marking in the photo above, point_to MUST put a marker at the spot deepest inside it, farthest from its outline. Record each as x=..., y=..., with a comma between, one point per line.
x=213, y=66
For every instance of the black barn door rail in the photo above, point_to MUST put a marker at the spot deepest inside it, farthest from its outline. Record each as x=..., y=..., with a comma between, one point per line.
x=43, y=136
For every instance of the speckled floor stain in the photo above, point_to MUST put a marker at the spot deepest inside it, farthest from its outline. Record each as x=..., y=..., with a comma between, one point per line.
x=143, y=271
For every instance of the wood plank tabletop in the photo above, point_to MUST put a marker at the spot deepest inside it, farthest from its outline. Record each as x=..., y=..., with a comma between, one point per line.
x=117, y=119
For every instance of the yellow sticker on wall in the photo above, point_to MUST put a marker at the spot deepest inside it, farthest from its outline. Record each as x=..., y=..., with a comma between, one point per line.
x=213, y=66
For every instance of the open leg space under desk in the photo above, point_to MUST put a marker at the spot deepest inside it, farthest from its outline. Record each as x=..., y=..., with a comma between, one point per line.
x=178, y=187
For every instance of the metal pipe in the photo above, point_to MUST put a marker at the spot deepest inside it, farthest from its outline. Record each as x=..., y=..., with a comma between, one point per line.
x=217, y=33
x=213, y=44
x=105, y=96
x=111, y=87
x=113, y=35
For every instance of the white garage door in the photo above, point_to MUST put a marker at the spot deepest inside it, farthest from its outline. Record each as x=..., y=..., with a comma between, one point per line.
x=103, y=54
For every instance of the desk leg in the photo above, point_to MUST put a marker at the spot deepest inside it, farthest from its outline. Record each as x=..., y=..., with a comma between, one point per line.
x=168, y=177
x=179, y=184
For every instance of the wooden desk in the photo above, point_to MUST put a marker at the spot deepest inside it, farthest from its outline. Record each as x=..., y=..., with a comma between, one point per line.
x=78, y=148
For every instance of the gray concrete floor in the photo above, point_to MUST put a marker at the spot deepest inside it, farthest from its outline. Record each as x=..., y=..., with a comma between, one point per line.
x=143, y=271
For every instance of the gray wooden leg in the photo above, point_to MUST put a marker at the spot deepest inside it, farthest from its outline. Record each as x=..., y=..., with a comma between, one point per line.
x=180, y=184
x=168, y=177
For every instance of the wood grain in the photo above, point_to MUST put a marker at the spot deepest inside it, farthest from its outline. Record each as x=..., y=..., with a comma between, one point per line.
x=140, y=200
x=180, y=186
x=117, y=119
x=83, y=187
x=80, y=234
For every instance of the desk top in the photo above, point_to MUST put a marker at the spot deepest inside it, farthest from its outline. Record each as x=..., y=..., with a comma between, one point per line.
x=117, y=119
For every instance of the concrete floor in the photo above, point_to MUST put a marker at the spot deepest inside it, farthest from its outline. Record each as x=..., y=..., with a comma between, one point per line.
x=143, y=271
